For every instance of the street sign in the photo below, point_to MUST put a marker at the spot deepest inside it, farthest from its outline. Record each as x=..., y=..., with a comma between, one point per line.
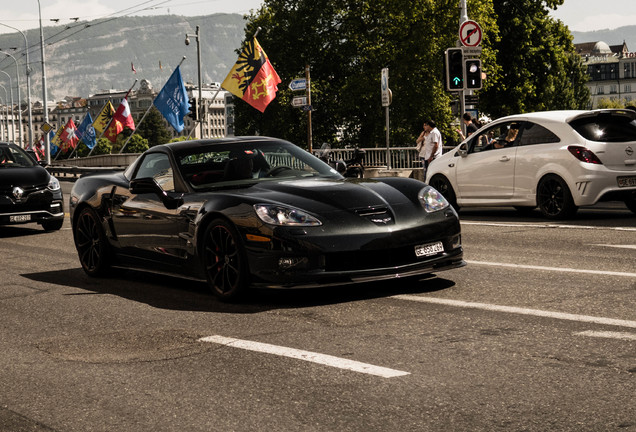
x=384, y=84
x=299, y=101
x=298, y=84
x=470, y=33
x=308, y=108
x=46, y=127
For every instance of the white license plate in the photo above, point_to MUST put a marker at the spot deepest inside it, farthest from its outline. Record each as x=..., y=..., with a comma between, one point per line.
x=429, y=249
x=626, y=181
x=20, y=218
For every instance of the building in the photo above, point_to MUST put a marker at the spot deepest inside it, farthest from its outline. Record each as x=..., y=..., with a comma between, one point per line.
x=612, y=72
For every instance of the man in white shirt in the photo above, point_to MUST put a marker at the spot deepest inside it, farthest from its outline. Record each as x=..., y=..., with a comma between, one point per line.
x=432, y=145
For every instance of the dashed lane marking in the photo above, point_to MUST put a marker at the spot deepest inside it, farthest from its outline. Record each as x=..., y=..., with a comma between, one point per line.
x=608, y=334
x=544, y=225
x=309, y=356
x=554, y=269
x=518, y=310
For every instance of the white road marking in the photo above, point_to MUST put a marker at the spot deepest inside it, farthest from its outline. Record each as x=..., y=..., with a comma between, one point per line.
x=556, y=269
x=616, y=246
x=519, y=311
x=608, y=334
x=309, y=356
x=544, y=225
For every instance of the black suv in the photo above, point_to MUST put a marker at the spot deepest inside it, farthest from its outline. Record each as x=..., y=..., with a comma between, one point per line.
x=28, y=193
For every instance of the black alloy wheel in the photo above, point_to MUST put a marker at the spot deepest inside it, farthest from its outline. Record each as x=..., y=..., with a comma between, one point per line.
x=444, y=187
x=554, y=198
x=224, y=260
x=91, y=243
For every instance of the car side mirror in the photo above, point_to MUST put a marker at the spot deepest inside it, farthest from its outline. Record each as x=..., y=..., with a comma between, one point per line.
x=463, y=150
x=149, y=185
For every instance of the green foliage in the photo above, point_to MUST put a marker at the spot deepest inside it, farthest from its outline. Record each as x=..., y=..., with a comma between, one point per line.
x=538, y=67
x=610, y=103
x=103, y=146
x=181, y=138
x=137, y=144
x=528, y=57
x=153, y=128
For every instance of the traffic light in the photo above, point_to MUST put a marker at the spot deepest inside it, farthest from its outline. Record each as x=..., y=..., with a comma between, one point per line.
x=473, y=74
x=454, y=62
x=194, y=109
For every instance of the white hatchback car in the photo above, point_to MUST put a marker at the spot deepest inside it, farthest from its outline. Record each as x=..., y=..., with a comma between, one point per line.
x=556, y=160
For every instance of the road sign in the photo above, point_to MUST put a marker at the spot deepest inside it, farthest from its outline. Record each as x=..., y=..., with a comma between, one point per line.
x=384, y=83
x=298, y=84
x=470, y=33
x=46, y=127
x=299, y=101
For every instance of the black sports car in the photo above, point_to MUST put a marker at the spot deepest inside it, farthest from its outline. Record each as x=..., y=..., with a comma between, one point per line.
x=28, y=193
x=255, y=211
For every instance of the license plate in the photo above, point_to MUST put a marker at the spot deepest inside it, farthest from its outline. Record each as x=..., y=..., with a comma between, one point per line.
x=429, y=249
x=20, y=218
x=626, y=181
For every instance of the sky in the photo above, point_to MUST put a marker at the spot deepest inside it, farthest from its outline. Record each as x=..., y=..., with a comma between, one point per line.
x=578, y=15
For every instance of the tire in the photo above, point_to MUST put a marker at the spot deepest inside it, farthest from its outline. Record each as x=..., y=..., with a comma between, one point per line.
x=444, y=187
x=554, y=198
x=54, y=225
x=630, y=202
x=91, y=243
x=224, y=261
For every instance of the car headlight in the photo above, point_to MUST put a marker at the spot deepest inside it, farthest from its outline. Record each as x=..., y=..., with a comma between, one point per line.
x=285, y=216
x=54, y=184
x=432, y=200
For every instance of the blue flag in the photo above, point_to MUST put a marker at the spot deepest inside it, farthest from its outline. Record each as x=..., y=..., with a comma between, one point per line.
x=54, y=148
x=172, y=101
x=86, y=131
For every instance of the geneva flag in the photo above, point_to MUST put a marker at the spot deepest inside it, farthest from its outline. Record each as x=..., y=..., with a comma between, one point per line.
x=253, y=77
x=172, y=101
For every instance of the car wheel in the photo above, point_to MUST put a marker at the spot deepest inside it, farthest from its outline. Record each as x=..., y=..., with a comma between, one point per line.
x=224, y=260
x=554, y=198
x=91, y=243
x=630, y=201
x=53, y=225
x=444, y=187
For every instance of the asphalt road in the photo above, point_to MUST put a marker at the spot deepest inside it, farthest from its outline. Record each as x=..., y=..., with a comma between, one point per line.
x=537, y=333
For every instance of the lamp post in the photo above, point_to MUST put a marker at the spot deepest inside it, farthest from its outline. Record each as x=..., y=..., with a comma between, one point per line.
x=47, y=146
x=12, y=115
x=6, y=115
x=187, y=42
x=17, y=74
x=28, y=80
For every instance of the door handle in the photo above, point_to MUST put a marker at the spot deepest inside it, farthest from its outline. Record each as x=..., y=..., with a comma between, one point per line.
x=504, y=159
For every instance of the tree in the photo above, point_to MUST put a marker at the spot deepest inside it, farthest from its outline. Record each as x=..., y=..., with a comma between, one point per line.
x=136, y=144
x=153, y=128
x=346, y=43
x=538, y=66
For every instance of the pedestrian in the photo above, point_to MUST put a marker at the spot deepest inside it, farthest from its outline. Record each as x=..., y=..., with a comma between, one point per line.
x=471, y=128
x=432, y=147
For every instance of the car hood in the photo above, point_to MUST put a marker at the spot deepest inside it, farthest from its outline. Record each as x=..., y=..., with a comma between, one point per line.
x=26, y=177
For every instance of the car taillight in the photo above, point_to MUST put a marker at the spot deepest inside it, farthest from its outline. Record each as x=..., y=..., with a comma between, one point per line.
x=584, y=155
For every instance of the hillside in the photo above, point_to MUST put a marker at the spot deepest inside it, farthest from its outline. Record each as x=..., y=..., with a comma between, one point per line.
x=88, y=58
x=611, y=37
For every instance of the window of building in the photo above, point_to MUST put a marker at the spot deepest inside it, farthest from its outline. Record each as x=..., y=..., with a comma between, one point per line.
x=600, y=90
x=613, y=88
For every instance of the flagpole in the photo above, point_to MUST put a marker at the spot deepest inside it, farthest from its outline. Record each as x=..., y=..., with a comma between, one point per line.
x=147, y=111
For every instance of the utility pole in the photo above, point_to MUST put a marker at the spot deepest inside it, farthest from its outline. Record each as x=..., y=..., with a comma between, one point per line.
x=47, y=144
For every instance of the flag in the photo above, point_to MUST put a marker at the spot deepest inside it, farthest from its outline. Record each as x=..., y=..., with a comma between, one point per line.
x=103, y=118
x=121, y=119
x=54, y=139
x=172, y=100
x=253, y=77
x=68, y=137
x=132, y=67
x=86, y=131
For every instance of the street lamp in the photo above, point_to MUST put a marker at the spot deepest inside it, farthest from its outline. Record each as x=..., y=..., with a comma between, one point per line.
x=28, y=80
x=6, y=114
x=47, y=146
x=187, y=42
x=12, y=115
x=17, y=74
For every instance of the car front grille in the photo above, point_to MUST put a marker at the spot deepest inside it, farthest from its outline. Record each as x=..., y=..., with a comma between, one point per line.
x=371, y=259
x=33, y=199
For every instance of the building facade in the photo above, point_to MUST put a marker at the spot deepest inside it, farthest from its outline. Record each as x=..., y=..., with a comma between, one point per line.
x=612, y=72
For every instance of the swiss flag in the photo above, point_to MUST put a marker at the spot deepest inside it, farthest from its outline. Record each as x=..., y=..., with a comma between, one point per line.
x=68, y=136
x=121, y=119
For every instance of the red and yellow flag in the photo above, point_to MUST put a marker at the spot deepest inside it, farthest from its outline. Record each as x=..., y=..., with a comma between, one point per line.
x=103, y=119
x=253, y=77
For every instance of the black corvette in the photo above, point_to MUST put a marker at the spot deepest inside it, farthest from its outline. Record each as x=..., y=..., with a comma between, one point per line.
x=255, y=211
x=28, y=193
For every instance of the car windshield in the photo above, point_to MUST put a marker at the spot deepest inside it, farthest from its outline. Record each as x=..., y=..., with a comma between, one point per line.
x=235, y=163
x=606, y=127
x=14, y=157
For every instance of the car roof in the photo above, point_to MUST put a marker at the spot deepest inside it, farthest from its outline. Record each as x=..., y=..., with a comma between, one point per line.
x=567, y=115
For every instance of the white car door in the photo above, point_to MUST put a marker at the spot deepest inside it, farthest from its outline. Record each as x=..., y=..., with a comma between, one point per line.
x=486, y=173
